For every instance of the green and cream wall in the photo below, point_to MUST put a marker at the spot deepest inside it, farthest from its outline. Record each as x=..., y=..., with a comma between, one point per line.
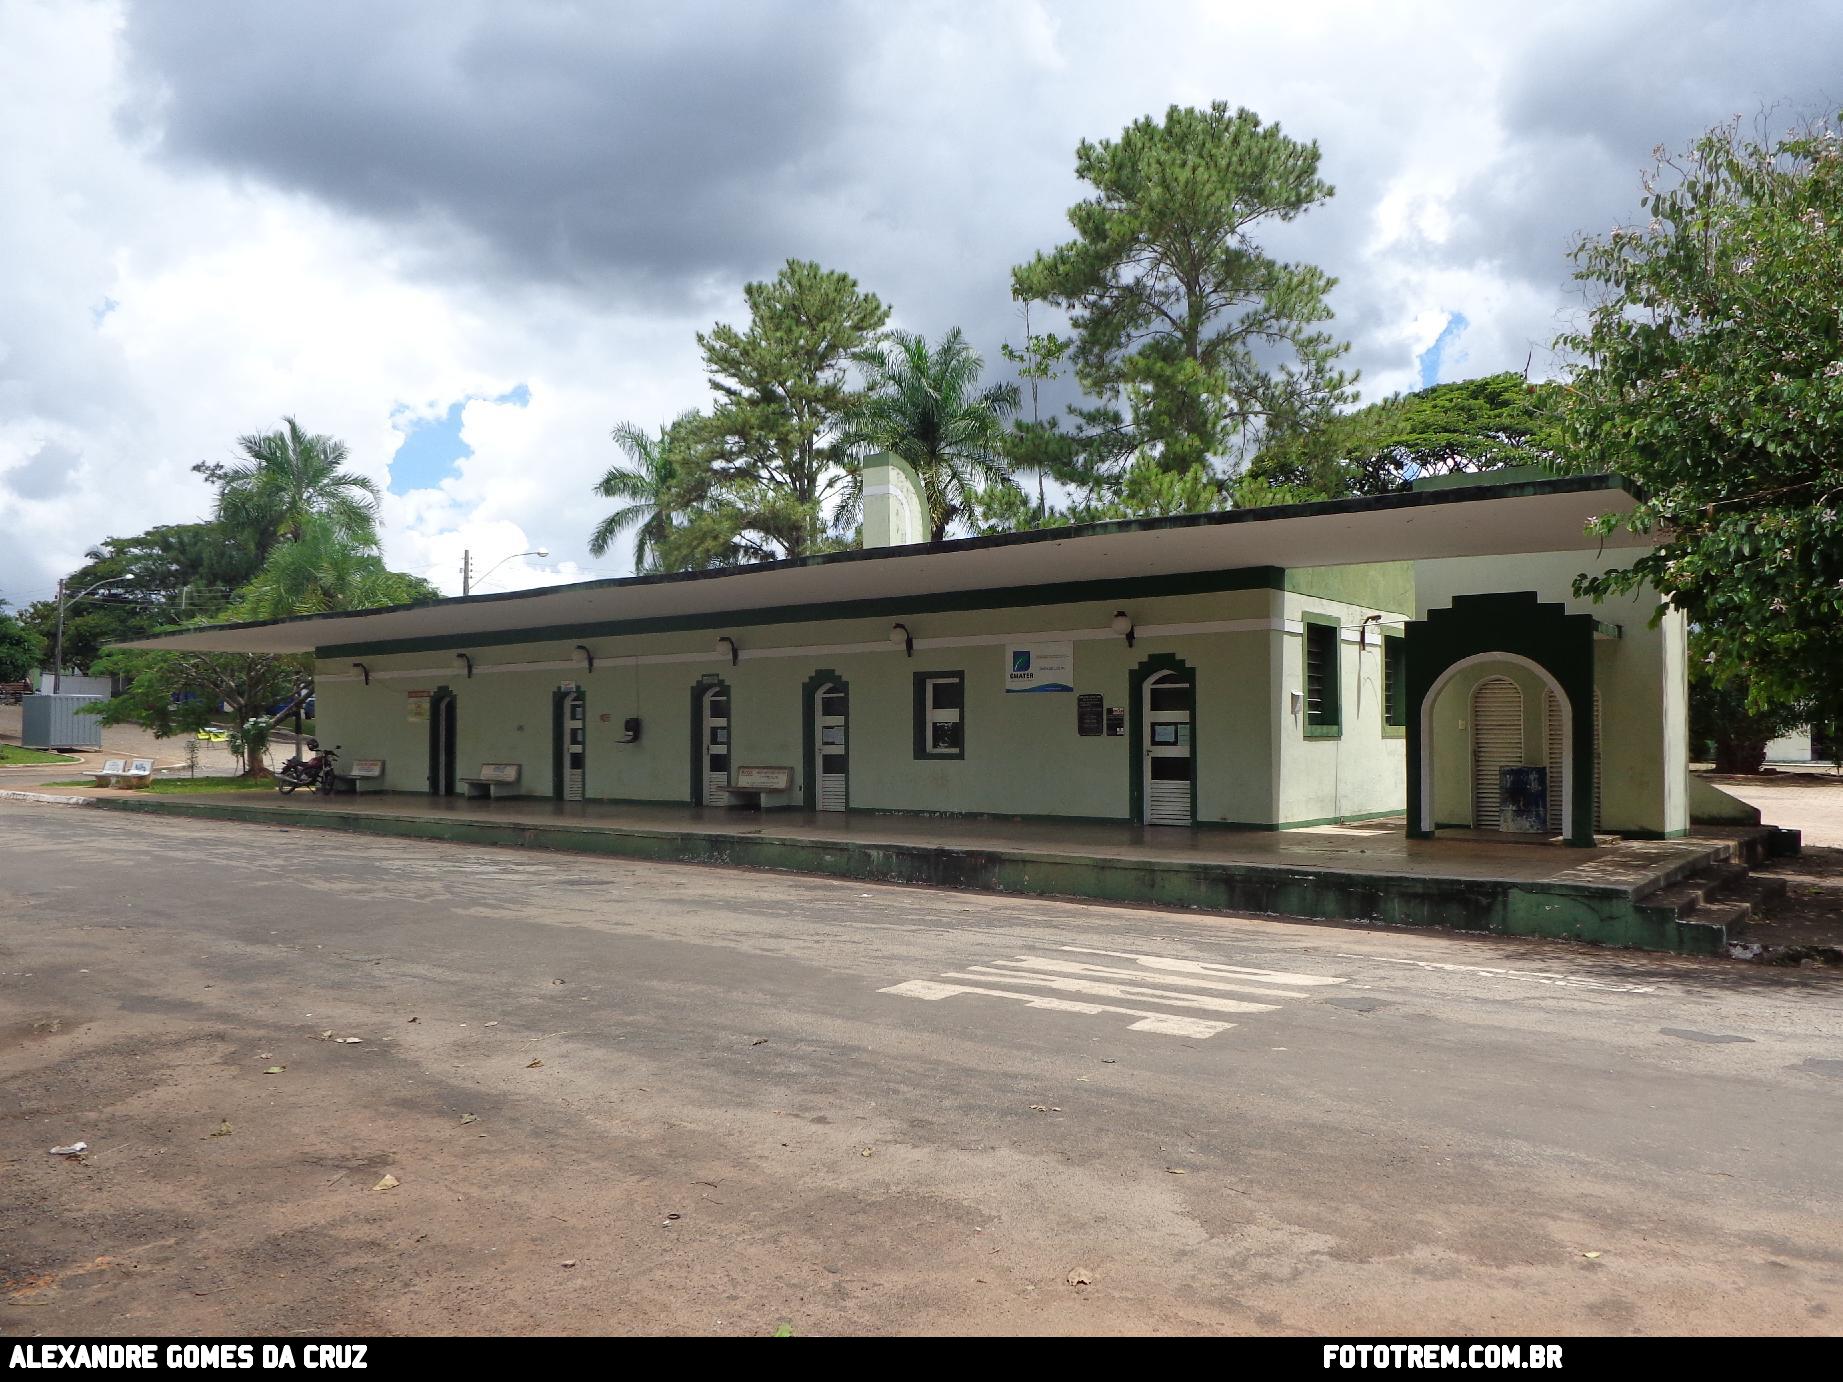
x=1023, y=755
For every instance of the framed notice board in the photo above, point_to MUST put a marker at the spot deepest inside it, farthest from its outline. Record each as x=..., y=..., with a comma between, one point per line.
x=1090, y=713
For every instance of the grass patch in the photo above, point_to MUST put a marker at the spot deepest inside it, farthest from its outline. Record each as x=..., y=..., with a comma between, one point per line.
x=12, y=753
x=180, y=786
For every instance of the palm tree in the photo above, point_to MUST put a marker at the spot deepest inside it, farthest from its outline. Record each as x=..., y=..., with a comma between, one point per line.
x=647, y=486
x=324, y=570
x=290, y=477
x=926, y=406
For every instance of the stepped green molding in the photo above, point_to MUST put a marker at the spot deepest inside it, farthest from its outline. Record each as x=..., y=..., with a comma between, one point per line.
x=1515, y=627
x=1603, y=915
x=1135, y=715
x=809, y=736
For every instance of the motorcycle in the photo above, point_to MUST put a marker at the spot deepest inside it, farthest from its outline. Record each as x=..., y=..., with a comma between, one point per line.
x=315, y=773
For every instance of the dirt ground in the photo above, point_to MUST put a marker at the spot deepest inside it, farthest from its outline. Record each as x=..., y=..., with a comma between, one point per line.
x=1811, y=803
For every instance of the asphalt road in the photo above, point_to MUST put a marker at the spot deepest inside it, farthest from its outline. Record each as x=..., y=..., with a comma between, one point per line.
x=623, y=1097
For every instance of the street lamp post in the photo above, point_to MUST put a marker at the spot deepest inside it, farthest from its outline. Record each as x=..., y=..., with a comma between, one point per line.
x=467, y=566
x=57, y=655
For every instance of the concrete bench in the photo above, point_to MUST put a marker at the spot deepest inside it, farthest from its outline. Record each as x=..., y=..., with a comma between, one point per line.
x=362, y=770
x=493, y=780
x=752, y=784
x=138, y=773
x=108, y=773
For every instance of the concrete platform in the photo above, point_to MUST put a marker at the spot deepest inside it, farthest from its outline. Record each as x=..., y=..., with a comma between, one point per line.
x=1369, y=872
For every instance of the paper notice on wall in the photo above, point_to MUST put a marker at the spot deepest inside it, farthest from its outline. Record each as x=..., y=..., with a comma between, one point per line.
x=1040, y=667
x=418, y=706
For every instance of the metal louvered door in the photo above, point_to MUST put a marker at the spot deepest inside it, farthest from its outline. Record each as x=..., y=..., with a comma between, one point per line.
x=1558, y=758
x=832, y=763
x=1557, y=772
x=1497, y=743
x=574, y=747
x=1170, y=763
x=716, y=746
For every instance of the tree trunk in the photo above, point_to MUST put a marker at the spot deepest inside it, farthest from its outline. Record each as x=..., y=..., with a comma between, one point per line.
x=1739, y=755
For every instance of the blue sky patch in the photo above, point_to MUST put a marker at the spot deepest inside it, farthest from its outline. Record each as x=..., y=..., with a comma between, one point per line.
x=432, y=448
x=1431, y=359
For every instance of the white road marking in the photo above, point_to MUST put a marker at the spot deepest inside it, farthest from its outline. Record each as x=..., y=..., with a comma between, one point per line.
x=1156, y=979
x=930, y=991
x=1162, y=962
x=1103, y=990
x=1522, y=975
x=1094, y=971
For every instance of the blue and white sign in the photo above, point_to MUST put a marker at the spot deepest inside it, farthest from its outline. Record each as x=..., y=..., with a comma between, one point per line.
x=1040, y=667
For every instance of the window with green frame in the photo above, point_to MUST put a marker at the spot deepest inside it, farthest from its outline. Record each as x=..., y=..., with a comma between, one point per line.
x=1323, y=711
x=1394, y=683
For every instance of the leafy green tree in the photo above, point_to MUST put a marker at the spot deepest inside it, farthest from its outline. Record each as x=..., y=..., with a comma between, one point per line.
x=324, y=570
x=1722, y=719
x=1469, y=425
x=286, y=478
x=769, y=459
x=1192, y=337
x=646, y=488
x=21, y=648
x=927, y=406
x=129, y=586
x=179, y=693
x=1710, y=371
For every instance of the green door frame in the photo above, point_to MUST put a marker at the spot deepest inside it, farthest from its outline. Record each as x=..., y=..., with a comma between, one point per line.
x=699, y=689
x=809, y=733
x=559, y=735
x=442, y=736
x=1135, y=711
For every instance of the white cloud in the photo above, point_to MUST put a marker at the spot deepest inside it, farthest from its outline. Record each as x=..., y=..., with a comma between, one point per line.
x=351, y=258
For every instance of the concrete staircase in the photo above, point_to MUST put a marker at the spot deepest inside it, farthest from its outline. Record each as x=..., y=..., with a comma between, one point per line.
x=1725, y=895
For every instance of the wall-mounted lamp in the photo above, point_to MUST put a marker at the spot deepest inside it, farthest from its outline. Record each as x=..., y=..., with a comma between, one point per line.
x=587, y=656
x=363, y=670
x=727, y=642
x=899, y=633
x=464, y=657
x=1124, y=626
x=1363, y=630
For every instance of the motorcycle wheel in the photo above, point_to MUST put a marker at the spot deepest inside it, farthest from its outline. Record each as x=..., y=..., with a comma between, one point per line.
x=285, y=785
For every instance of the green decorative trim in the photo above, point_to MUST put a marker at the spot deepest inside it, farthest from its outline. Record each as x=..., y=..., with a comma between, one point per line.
x=1135, y=690
x=920, y=718
x=698, y=688
x=945, y=602
x=809, y=736
x=1330, y=725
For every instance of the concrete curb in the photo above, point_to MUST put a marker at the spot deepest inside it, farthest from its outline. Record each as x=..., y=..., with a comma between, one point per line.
x=48, y=798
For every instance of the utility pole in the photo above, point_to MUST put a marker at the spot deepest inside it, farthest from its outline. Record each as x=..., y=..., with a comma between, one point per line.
x=467, y=571
x=57, y=657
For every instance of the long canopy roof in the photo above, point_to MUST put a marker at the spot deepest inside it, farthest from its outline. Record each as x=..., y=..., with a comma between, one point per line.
x=1466, y=521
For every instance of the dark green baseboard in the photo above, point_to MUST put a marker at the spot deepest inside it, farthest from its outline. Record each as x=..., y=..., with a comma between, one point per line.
x=1599, y=914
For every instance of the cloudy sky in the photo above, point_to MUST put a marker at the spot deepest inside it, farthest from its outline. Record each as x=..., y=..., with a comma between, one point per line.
x=469, y=237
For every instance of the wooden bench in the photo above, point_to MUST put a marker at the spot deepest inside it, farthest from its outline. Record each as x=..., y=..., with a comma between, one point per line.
x=13, y=692
x=752, y=784
x=493, y=780
x=362, y=770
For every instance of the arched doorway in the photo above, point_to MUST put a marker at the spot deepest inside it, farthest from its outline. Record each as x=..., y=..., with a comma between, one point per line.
x=569, y=747
x=828, y=766
x=710, y=744
x=1557, y=759
x=441, y=742
x=1168, y=754
x=1497, y=743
